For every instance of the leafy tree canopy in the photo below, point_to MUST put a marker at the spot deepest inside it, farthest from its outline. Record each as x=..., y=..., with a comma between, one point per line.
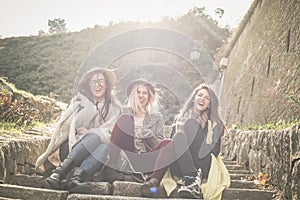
x=57, y=25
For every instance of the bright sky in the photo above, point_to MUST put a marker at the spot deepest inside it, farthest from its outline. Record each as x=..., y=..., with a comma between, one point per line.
x=27, y=17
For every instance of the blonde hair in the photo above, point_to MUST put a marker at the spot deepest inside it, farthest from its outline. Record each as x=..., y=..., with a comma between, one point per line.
x=134, y=103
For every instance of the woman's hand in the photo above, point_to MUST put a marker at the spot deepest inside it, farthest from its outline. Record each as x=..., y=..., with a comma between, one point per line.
x=202, y=119
x=82, y=131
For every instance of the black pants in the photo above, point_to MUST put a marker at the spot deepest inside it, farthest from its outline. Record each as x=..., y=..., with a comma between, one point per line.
x=187, y=146
x=122, y=137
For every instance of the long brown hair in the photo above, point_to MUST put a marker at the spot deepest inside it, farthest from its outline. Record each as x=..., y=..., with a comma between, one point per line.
x=213, y=110
x=85, y=89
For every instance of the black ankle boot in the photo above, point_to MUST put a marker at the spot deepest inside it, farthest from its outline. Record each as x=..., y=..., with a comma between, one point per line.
x=60, y=173
x=77, y=182
x=150, y=188
x=111, y=175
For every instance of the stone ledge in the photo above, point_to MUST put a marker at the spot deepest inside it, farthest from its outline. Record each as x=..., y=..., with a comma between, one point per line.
x=106, y=197
x=21, y=192
x=3, y=198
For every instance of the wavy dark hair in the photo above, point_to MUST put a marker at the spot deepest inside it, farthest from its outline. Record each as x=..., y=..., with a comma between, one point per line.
x=85, y=89
x=213, y=110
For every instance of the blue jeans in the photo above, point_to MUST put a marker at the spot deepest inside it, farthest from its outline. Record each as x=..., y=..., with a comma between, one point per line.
x=89, y=154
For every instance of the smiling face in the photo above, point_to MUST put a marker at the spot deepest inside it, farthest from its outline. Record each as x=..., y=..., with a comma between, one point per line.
x=98, y=86
x=201, y=100
x=143, y=95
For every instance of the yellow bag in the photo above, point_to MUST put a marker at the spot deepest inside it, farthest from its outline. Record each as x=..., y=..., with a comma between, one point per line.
x=168, y=183
x=218, y=180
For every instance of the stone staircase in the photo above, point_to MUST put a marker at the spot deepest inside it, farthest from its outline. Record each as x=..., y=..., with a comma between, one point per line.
x=36, y=188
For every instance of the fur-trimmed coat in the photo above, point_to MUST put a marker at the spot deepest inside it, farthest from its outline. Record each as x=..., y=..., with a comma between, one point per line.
x=80, y=113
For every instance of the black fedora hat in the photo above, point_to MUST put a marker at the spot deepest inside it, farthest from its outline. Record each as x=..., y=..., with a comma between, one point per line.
x=139, y=82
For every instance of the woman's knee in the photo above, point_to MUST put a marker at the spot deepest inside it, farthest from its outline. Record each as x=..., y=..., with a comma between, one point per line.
x=125, y=124
x=125, y=118
x=191, y=123
x=101, y=152
x=179, y=136
x=91, y=137
x=103, y=148
x=90, y=141
x=163, y=144
x=191, y=128
x=166, y=142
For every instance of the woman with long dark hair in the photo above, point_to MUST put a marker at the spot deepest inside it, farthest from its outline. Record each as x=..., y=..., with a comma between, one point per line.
x=86, y=125
x=198, y=133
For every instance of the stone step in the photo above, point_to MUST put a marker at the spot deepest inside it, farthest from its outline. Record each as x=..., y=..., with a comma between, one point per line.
x=247, y=194
x=240, y=188
x=29, y=181
x=40, y=182
x=124, y=190
x=228, y=194
x=22, y=192
x=109, y=197
x=104, y=187
x=238, y=176
x=243, y=184
x=234, y=167
x=4, y=198
x=229, y=162
x=246, y=172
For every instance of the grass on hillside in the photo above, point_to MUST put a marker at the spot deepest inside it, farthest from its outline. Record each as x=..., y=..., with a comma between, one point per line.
x=21, y=110
x=14, y=128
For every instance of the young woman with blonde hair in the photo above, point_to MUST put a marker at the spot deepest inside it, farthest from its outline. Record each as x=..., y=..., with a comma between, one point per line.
x=139, y=130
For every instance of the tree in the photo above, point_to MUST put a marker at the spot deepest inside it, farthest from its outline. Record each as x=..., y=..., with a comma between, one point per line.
x=57, y=25
x=219, y=12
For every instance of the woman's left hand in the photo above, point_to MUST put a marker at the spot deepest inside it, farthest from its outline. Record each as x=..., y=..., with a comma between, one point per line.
x=82, y=131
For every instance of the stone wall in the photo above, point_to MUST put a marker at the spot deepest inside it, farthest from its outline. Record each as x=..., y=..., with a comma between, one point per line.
x=262, y=79
x=276, y=153
x=19, y=156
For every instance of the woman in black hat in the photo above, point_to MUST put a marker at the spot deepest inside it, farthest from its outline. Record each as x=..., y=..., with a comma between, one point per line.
x=85, y=125
x=138, y=131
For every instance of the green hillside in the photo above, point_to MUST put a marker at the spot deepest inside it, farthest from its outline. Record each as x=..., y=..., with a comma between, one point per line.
x=44, y=64
x=50, y=63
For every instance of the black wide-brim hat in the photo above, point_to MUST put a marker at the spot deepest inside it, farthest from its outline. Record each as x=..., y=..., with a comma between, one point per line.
x=139, y=82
